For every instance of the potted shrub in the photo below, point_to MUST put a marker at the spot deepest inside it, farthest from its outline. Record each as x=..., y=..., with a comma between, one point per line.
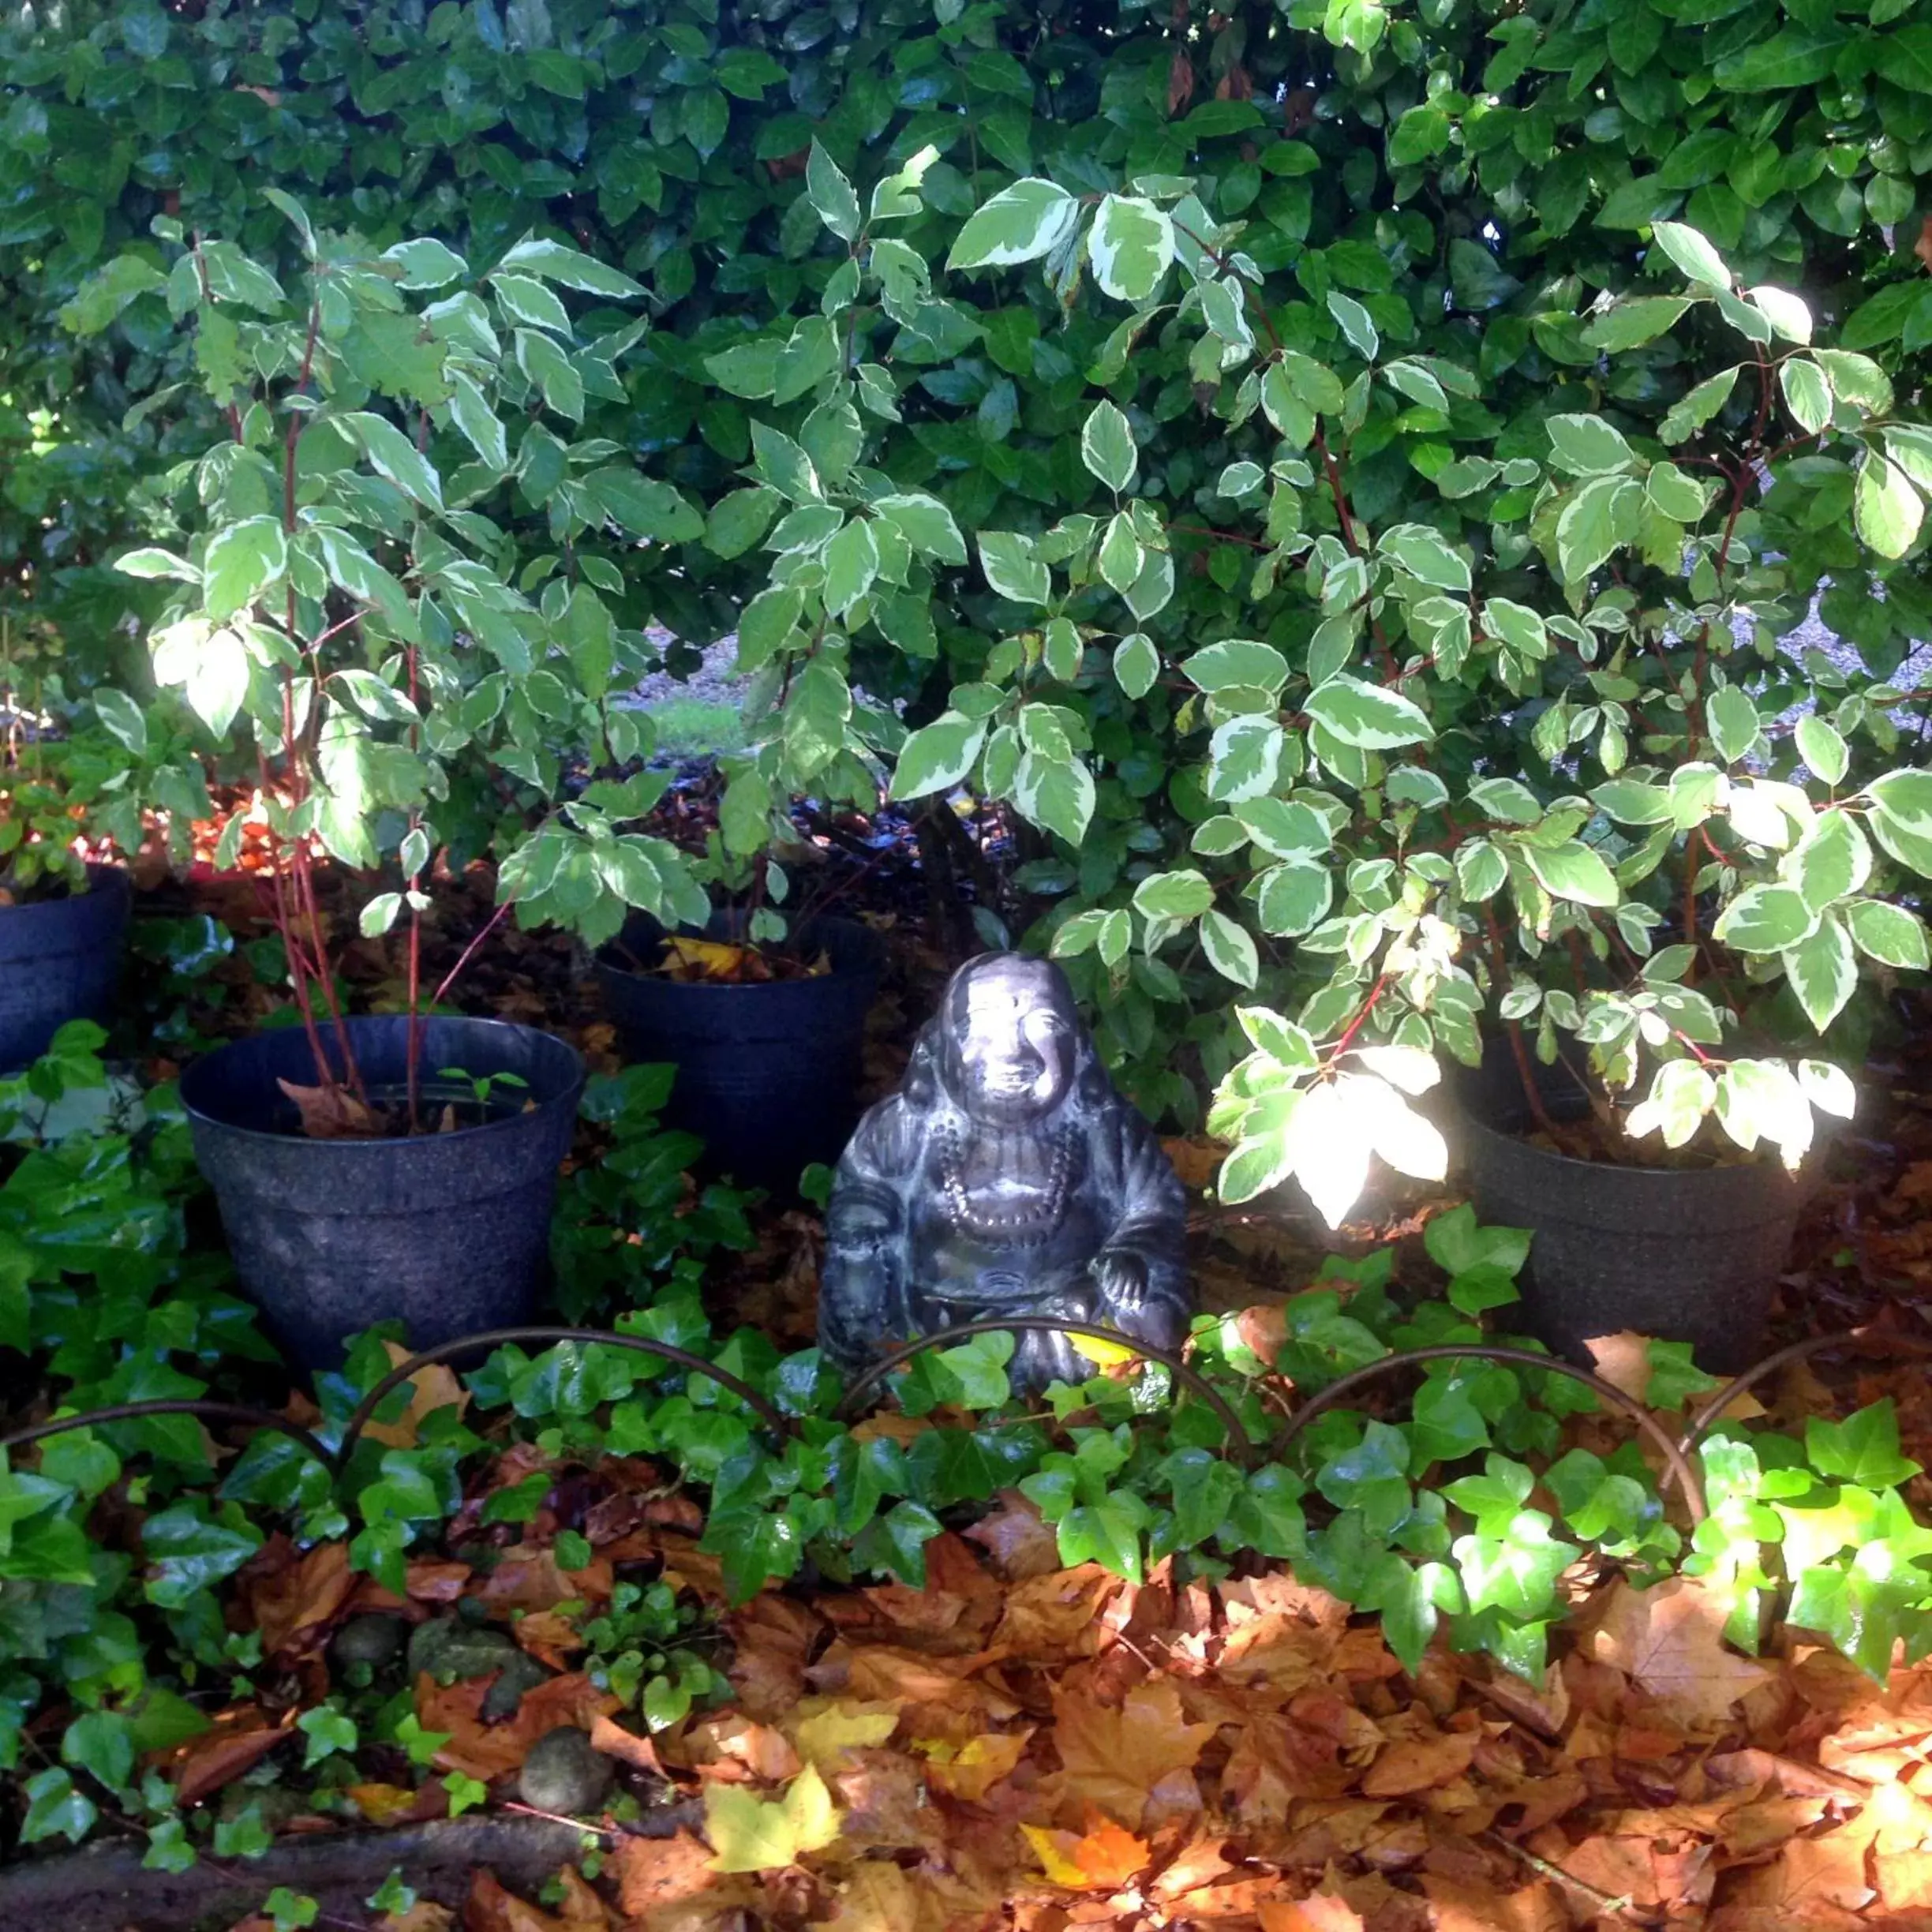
x=1515, y=750
x=763, y=1017
x=75, y=775
x=1701, y=846
x=362, y=641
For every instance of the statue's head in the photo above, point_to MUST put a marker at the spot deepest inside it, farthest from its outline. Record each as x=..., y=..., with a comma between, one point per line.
x=1009, y=1038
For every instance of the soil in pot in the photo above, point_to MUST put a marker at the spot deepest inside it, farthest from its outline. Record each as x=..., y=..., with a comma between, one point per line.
x=60, y=960
x=767, y=1072
x=446, y=1230
x=1686, y=1254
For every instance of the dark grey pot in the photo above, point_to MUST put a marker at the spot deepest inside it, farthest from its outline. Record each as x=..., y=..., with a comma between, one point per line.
x=450, y=1232
x=60, y=960
x=767, y=1076
x=1687, y=1255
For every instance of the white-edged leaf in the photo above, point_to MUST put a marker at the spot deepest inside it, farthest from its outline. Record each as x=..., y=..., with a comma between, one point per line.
x=1019, y=224
x=1692, y=253
x=1012, y=567
x=1131, y=246
x=938, y=756
x=1107, y=447
x=1366, y=716
x=1822, y=972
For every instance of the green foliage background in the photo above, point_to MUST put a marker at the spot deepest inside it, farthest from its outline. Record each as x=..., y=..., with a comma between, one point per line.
x=1480, y=179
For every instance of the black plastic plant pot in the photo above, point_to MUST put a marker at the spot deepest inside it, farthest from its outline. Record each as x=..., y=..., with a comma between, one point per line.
x=449, y=1231
x=1683, y=1254
x=60, y=960
x=767, y=1074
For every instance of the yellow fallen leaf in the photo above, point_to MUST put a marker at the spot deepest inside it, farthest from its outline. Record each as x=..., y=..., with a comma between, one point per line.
x=824, y=1736
x=1103, y=1354
x=1105, y=1859
x=750, y=1834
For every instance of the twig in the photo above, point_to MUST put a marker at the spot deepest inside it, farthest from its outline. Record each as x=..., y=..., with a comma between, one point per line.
x=1607, y=1901
x=496, y=919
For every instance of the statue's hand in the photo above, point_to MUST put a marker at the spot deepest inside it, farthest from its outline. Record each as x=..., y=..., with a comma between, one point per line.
x=1121, y=1277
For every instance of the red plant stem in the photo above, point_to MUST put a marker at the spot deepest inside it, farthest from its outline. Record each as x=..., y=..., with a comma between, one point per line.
x=411, y=1050
x=1218, y=536
x=1690, y=899
x=1355, y=1025
x=495, y=920
x=304, y=878
x=1499, y=970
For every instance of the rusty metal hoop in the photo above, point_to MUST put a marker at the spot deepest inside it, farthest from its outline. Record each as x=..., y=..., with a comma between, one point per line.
x=213, y=1411
x=1701, y=1425
x=497, y=1337
x=1196, y=1382
x=1676, y=1460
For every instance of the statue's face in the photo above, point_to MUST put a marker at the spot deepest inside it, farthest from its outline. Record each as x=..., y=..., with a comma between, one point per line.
x=1014, y=1037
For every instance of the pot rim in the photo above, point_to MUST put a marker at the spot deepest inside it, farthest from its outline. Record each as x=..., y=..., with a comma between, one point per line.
x=359, y=1148
x=1757, y=1163
x=855, y=969
x=102, y=877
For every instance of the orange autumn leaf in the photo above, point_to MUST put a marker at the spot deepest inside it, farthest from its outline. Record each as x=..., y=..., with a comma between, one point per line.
x=549, y=1637
x=293, y=1607
x=490, y=1908
x=527, y=1578
x=382, y=1804
x=971, y=1770
x=656, y=1874
x=1319, y=1914
x=237, y=1741
x=425, y=1915
x=430, y=1389
x=1103, y=1859
x=1669, y=1639
x=1114, y=1757
x=626, y=1746
x=487, y=1750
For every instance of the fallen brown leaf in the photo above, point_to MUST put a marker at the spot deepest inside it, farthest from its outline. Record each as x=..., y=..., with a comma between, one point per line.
x=1669, y=1639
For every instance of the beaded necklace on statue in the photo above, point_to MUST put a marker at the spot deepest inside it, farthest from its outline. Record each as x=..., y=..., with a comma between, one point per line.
x=1023, y=1227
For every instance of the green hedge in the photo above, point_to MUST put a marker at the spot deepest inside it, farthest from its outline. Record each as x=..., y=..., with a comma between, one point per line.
x=1477, y=182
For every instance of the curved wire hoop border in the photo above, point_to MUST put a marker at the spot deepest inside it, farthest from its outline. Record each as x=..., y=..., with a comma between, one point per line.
x=874, y=1375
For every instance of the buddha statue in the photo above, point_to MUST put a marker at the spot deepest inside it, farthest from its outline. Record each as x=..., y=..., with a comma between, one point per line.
x=1005, y=1176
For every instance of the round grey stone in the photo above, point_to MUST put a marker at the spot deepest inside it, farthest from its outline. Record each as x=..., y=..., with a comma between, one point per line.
x=373, y=1640
x=565, y=1772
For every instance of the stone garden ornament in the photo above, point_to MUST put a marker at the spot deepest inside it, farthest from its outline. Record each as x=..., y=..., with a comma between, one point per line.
x=1005, y=1176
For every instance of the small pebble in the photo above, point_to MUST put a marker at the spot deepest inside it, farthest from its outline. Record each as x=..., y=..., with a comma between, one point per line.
x=566, y=1773
x=373, y=1640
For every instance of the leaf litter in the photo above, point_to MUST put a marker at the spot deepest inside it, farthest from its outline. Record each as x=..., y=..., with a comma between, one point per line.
x=1019, y=1747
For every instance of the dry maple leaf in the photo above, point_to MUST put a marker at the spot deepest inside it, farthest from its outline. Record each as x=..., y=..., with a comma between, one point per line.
x=332, y=1113
x=879, y=1896
x=430, y=1389
x=654, y=1873
x=238, y=1741
x=1418, y=1764
x=970, y=1770
x=828, y=1730
x=487, y=1750
x=1537, y=1907
x=1114, y=1758
x=1017, y=1537
x=1321, y=1913
x=1103, y=1859
x=293, y=1607
x=1669, y=1639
